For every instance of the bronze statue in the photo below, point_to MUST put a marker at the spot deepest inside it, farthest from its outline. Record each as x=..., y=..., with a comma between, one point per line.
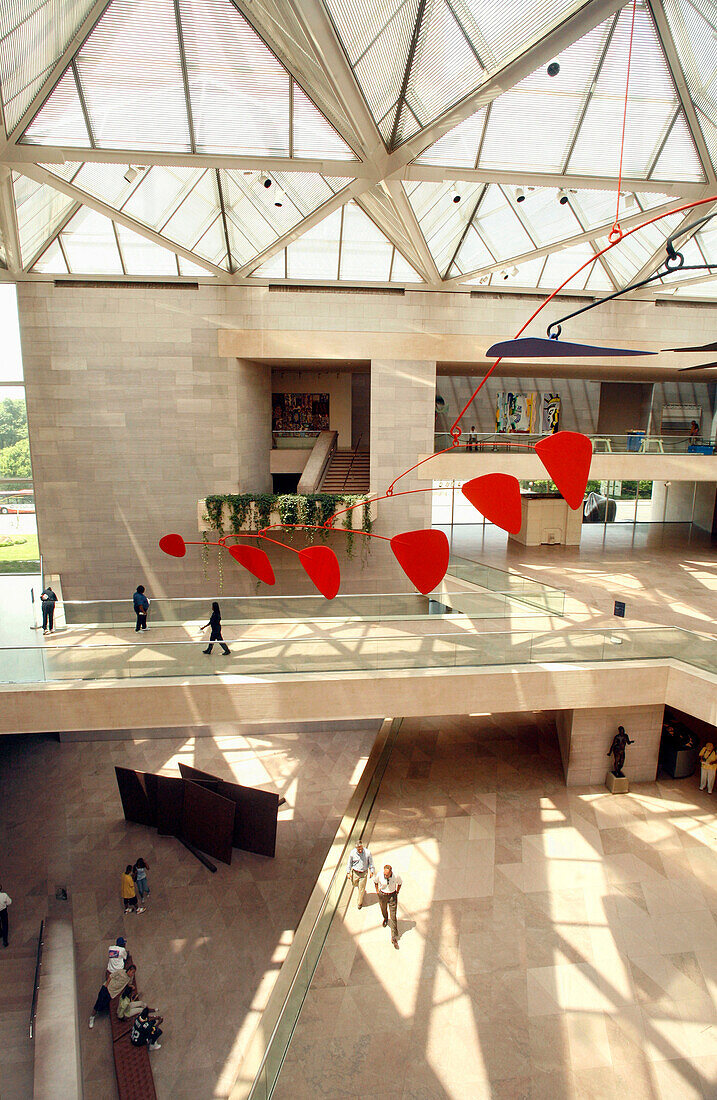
x=617, y=751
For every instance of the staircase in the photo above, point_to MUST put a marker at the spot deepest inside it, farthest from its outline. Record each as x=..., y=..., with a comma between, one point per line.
x=347, y=472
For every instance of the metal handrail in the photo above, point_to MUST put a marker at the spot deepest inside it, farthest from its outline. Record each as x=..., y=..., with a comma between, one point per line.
x=36, y=983
x=351, y=463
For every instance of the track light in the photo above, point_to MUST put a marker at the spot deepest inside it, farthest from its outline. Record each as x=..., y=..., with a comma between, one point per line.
x=562, y=196
x=484, y=279
x=504, y=274
x=514, y=271
x=519, y=194
x=131, y=174
x=278, y=197
x=553, y=68
x=265, y=181
x=455, y=194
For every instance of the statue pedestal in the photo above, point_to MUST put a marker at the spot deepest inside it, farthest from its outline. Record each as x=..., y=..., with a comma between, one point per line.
x=615, y=784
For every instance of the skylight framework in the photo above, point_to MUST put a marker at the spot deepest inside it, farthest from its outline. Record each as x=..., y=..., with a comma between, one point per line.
x=419, y=142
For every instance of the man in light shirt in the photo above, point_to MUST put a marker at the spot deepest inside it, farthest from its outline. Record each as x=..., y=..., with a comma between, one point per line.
x=359, y=865
x=117, y=955
x=387, y=888
x=5, y=900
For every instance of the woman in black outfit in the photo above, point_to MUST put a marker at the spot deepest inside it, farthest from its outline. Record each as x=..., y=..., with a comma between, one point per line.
x=215, y=622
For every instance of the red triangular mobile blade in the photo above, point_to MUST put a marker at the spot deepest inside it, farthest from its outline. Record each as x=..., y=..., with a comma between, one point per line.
x=173, y=545
x=566, y=456
x=322, y=566
x=497, y=497
x=423, y=556
x=256, y=561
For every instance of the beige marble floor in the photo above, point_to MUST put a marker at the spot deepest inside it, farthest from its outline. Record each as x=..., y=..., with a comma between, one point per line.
x=209, y=946
x=666, y=575
x=553, y=944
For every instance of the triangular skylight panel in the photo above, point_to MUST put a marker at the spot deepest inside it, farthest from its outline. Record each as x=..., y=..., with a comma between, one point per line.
x=441, y=218
x=190, y=78
x=637, y=251
x=90, y=244
x=33, y=37
x=181, y=204
x=693, y=25
x=414, y=59
x=348, y=246
x=572, y=122
x=40, y=210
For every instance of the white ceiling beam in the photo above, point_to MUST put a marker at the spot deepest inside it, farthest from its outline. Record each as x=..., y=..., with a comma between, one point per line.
x=18, y=155
x=319, y=29
x=410, y=223
x=76, y=43
x=380, y=209
x=663, y=290
x=683, y=92
x=41, y=175
x=318, y=215
x=434, y=174
x=588, y=16
x=8, y=222
x=559, y=246
x=659, y=256
x=277, y=24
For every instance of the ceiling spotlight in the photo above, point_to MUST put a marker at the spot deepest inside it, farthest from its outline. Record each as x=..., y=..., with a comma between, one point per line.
x=562, y=196
x=455, y=194
x=514, y=271
x=553, y=68
x=630, y=200
x=278, y=197
x=265, y=181
x=484, y=279
x=519, y=194
x=504, y=274
x=131, y=174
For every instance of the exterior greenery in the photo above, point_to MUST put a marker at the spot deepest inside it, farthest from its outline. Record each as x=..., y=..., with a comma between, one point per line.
x=14, y=445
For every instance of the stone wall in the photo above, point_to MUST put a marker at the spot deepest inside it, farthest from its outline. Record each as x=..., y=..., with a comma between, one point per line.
x=585, y=737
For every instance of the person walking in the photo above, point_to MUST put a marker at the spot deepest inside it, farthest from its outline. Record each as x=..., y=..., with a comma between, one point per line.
x=129, y=891
x=708, y=770
x=388, y=886
x=215, y=622
x=141, y=608
x=359, y=864
x=5, y=901
x=139, y=873
x=48, y=599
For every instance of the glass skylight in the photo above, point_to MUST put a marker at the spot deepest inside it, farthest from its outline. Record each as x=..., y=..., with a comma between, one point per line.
x=40, y=210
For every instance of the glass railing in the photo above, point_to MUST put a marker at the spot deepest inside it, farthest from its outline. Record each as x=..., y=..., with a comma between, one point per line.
x=144, y=659
x=272, y=609
x=631, y=442
x=279, y=1021
x=293, y=440
x=536, y=594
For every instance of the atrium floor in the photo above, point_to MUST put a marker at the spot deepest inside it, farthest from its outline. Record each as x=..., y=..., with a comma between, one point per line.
x=554, y=943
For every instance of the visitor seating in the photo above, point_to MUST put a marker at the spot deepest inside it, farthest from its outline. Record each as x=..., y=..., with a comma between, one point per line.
x=133, y=1067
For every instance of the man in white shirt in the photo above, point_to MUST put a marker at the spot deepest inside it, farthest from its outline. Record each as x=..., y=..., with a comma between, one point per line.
x=387, y=888
x=5, y=900
x=117, y=955
x=359, y=865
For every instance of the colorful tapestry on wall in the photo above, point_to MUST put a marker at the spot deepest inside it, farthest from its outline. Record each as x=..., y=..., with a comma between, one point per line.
x=550, y=413
x=299, y=412
x=515, y=412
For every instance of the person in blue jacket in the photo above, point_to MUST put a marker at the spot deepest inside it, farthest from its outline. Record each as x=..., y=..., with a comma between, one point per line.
x=141, y=607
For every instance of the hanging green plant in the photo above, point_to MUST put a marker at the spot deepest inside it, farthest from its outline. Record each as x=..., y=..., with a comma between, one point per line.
x=252, y=511
x=205, y=554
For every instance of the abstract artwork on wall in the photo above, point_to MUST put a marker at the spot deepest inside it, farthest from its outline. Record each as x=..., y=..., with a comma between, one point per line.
x=299, y=412
x=515, y=412
x=549, y=413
